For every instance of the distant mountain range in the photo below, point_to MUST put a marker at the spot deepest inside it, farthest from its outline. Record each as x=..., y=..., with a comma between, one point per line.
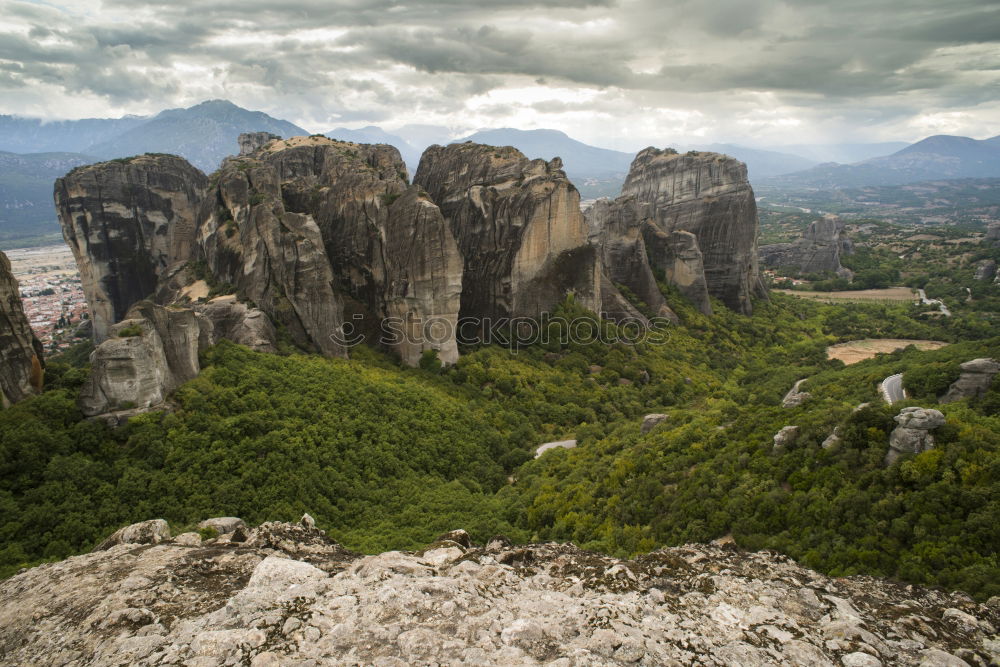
x=941, y=157
x=842, y=153
x=26, y=208
x=204, y=134
x=37, y=152
x=600, y=172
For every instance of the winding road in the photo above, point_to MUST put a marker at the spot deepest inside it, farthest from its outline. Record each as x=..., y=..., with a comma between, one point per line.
x=892, y=388
x=933, y=302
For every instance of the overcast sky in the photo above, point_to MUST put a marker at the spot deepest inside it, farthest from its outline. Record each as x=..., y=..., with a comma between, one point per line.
x=618, y=73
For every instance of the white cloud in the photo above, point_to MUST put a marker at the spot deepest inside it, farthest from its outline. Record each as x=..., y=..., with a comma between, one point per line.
x=622, y=74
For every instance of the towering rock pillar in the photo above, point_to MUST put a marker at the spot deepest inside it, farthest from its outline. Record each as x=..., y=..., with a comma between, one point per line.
x=21, y=366
x=708, y=195
x=519, y=228
x=128, y=222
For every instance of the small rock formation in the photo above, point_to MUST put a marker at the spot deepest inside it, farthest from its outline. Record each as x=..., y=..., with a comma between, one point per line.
x=290, y=596
x=912, y=435
x=818, y=250
x=148, y=355
x=832, y=439
x=223, y=525
x=794, y=397
x=707, y=195
x=786, y=436
x=560, y=444
x=975, y=380
x=522, y=237
x=251, y=142
x=153, y=531
x=21, y=365
x=985, y=270
x=649, y=422
x=128, y=222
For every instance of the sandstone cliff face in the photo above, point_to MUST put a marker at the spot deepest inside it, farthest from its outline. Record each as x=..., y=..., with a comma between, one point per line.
x=818, y=250
x=148, y=355
x=273, y=256
x=424, y=269
x=519, y=229
x=329, y=240
x=128, y=222
x=283, y=594
x=707, y=195
x=21, y=365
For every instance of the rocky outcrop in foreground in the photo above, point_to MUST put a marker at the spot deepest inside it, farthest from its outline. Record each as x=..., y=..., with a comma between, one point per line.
x=21, y=365
x=818, y=250
x=284, y=594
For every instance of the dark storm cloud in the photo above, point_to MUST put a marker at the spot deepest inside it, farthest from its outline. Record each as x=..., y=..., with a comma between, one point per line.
x=434, y=54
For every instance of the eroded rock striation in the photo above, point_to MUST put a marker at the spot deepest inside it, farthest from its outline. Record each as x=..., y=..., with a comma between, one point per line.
x=21, y=360
x=285, y=594
x=522, y=237
x=976, y=378
x=128, y=222
x=818, y=250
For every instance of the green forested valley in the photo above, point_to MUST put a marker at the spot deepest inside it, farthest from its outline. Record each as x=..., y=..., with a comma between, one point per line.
x=387, y=458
